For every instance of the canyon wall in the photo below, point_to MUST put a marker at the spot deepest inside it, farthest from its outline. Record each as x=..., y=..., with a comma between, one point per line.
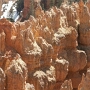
x=50, y=51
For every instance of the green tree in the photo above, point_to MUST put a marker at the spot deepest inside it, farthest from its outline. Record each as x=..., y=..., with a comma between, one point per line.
x=52, y=2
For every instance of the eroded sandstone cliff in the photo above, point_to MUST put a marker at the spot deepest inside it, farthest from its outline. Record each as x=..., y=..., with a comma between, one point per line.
x=50, y=51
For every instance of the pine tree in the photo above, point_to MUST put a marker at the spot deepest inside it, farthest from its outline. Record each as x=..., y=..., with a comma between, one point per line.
x=52, y=2
x=20, y=5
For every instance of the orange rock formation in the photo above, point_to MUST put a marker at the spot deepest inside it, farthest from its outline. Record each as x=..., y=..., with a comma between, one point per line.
x=50, y=51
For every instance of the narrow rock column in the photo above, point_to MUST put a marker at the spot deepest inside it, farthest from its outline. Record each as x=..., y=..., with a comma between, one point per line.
x=16, y=75
x=2, y=41
x=2, y=79
x=61, y=67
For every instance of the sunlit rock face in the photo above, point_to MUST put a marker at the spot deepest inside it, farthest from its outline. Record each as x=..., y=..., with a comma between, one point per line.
x=67, y=85
x=47, y=52
x=2, y=79
x=16, y=74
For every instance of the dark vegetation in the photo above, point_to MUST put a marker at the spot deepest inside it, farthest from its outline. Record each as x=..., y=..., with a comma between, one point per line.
x=45, y=4
x=10, y=19
x=20, y=5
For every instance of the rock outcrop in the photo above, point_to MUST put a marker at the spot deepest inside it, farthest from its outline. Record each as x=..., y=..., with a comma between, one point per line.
x=67, y=85
x=2, y=41
x=84, y=85
x=84, y=30
x=29, y=6
x=47, y=52
x=61, y=67
x=16, y=74
x=2, y=79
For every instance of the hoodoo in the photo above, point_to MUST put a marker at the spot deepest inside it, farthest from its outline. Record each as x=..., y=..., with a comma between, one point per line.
x=48, y=51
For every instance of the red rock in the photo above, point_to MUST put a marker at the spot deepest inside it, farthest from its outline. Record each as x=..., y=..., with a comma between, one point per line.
x=16, y=74
x=67, y=85
x=75, y=78
x=85, y=81
x=2, y=79
x=61, y=67
x=47, y=44
x=78, y=62
x=2, y=42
